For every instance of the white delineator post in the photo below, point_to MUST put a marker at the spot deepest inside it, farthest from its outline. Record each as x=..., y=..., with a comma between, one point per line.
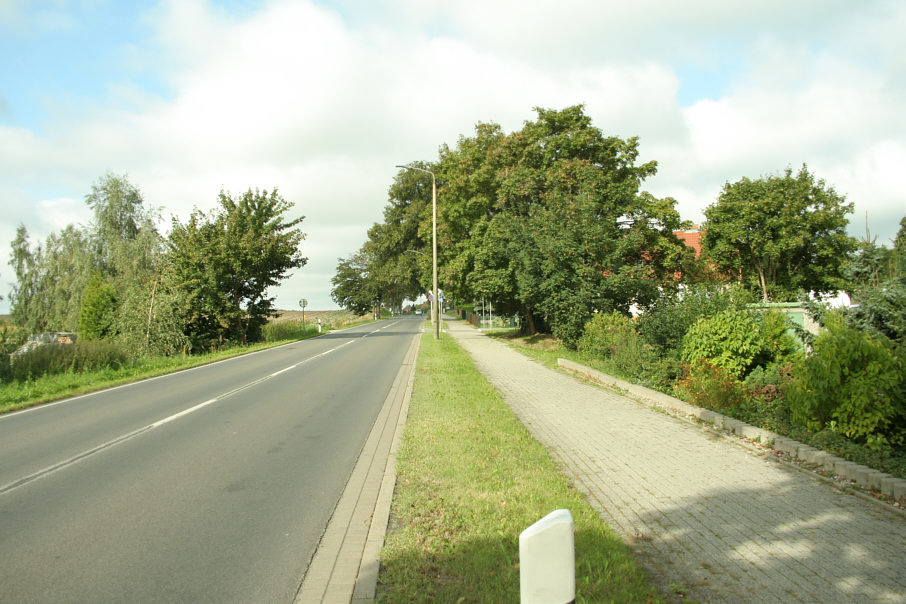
x=547, y=561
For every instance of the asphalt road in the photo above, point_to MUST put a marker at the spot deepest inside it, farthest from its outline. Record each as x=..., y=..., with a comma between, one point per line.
x=210, y=485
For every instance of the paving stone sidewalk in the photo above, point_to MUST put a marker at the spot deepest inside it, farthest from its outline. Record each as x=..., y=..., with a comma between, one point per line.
x=709, y=519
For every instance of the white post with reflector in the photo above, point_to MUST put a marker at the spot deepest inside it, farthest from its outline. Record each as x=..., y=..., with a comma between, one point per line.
x=547, y=561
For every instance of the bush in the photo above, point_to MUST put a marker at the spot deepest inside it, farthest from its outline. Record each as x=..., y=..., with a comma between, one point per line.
x=766, y=406
x=666, y=322
x=11, y=339
x=729, y=340
x=59, y=358
x=663, y=372
x=853, y=379
x=612, y=338
x=739, y=341
x=706, y=384
x=98, y=311
x=604, y=333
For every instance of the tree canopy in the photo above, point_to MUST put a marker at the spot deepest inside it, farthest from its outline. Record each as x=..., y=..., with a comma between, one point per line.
x=223, y=264
x=119, y=278
x=782, y=234
x=548, y=222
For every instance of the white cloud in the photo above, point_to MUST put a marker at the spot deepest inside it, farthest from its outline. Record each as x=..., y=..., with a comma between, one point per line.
x=323, y=101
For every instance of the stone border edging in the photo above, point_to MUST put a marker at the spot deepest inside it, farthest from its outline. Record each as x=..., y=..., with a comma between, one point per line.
x=862, y=476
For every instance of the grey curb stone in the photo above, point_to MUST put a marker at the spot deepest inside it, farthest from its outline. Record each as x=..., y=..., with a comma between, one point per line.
x=734, y=425
x=708, y=416
x=803, y=451
x=846, y=469
x=755, y=433
x=887, y=485
x=787, y=445
x=862, y=474
x=875, y=479
x=830, y=462
x=899, y=488
x=815, y=456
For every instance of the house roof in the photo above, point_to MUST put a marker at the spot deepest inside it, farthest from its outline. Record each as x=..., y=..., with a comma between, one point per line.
x=692, y=238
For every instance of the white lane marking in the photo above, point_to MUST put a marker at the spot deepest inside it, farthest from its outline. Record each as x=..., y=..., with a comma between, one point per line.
x=167, y=420
x=80, y=456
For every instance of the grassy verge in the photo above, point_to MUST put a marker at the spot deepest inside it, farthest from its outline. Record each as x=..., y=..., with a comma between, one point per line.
x=20, y=395
x=471, y=479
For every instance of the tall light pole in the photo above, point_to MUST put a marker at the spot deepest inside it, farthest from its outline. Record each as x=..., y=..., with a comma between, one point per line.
x=435, y=317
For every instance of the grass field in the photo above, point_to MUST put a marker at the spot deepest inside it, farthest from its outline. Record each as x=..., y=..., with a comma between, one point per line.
x=470, y=479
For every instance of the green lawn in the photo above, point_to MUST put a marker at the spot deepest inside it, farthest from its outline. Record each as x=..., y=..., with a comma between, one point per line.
x=470, y=479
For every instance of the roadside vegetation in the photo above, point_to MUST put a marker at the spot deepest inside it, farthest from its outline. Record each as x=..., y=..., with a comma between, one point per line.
x=454, y=529
x=116, y=300
x=56, y=371
x=551, y=226
x=842, y=391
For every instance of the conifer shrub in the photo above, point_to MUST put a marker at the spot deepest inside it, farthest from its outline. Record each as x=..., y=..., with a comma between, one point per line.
x=98, y=310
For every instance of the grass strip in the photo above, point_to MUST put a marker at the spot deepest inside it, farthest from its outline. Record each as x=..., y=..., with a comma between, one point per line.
x=471, y=478
x=20, y=395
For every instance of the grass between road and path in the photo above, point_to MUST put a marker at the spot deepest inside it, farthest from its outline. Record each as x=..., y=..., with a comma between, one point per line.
x=470, y=479
x=20, y=395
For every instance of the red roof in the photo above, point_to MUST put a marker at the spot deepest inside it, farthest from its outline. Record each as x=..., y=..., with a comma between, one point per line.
x=691, y=238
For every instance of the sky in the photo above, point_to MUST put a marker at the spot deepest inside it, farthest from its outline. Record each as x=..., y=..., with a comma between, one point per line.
x=322, y=99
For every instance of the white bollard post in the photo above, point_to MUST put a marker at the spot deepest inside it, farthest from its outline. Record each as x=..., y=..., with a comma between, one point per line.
x=547, y=561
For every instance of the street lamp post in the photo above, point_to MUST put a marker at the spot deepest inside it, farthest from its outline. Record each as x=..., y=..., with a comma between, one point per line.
x=435, y=317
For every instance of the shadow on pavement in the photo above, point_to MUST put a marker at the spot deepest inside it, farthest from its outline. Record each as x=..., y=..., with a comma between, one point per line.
x=743, y=544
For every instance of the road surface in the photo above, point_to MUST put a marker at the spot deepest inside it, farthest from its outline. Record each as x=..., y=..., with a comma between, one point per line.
x=209, y=485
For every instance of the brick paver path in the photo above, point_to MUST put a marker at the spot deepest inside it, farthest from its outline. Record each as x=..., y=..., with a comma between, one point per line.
x=703, y=514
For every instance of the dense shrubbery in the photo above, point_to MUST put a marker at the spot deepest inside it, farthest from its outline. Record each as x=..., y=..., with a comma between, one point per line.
x=11, y=339
x=848, y=394
x=613, y=336
x=852, y=381
x=738, y=341
x=665, y=323
x=59, y=358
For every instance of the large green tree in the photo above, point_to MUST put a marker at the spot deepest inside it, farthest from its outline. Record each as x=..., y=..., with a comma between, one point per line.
x=223, y=264
x=354, y=284
x=50, y=279
x=122, y=246
x=781, y=234
x=550, y=222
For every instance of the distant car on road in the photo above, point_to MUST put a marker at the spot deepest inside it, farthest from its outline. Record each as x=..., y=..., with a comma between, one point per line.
x=418, y=312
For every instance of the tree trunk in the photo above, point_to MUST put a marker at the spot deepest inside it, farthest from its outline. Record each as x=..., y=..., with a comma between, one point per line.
x=150, y=310
x=764, y=285
x=528, y=328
